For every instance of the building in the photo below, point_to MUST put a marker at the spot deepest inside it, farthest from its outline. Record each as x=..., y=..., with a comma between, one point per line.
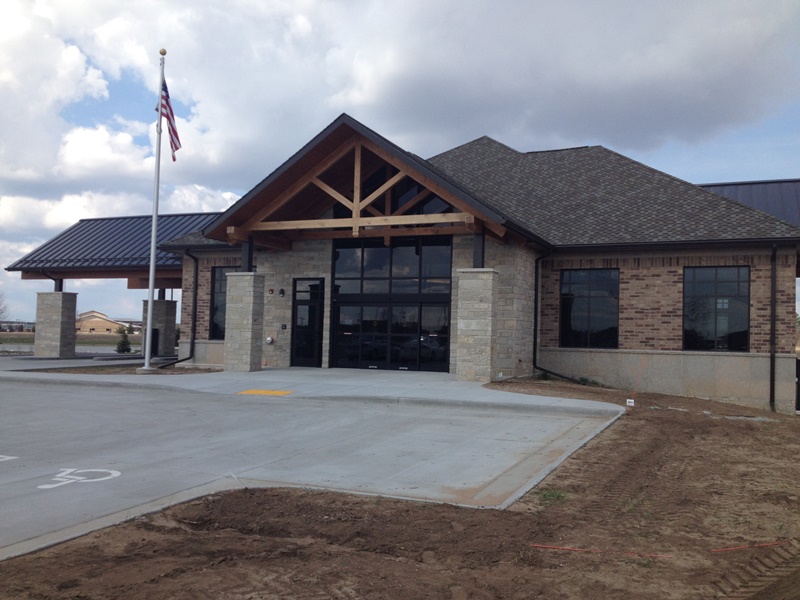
x=93, y=321
x=491, y=263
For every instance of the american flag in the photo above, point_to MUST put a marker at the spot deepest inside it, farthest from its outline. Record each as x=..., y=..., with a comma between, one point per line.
x=166, y=111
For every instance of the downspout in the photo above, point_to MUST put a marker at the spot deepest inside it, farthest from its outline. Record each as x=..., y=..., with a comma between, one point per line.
x=773, y=317
x=536, y=294
x=193, y=331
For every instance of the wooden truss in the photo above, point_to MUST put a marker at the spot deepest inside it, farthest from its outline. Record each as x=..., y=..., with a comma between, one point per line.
x=272, y=227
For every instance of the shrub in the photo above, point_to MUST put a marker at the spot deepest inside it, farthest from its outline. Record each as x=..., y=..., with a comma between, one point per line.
x=124, y=344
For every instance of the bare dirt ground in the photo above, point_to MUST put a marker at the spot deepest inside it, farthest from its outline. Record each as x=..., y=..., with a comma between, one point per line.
x=682, y=498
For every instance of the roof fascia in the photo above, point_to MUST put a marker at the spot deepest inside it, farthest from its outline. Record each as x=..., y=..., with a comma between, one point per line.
x=686, y=245
x=754, y=182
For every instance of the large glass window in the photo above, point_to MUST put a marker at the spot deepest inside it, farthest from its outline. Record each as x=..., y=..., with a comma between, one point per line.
x=716, y=308
x=219, y=284
x=589, y=315
x=408, y=266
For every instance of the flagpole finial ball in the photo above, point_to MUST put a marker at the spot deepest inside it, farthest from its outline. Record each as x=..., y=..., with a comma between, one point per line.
x=162, y=52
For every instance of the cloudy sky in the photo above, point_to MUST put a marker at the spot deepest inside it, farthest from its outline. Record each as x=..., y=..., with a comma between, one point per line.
x=707, y=90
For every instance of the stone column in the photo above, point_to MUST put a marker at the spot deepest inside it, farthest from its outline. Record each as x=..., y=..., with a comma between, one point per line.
x=164, y=317
x=477, y=324
x=244, y=322
x=55, y=324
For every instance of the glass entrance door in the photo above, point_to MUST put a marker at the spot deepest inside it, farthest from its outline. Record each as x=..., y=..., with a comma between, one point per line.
x=408, y=337
x=391, y=304
x=307, y=305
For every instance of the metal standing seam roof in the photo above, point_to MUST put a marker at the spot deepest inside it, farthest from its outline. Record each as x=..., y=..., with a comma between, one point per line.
x=592, y=196
x=779, y=197
x=112, y=243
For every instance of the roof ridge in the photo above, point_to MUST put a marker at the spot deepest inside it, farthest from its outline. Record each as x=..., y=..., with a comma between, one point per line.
x=560, y=149
x=474, y=141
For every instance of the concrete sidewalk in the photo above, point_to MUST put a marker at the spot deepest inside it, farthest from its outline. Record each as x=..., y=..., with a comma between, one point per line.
x=300, y=382
x=80, y=452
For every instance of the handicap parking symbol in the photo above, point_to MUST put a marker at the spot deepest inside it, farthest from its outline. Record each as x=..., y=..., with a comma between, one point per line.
x=80, y=476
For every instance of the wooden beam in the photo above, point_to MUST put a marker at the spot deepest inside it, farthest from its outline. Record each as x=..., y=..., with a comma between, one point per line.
x=237, y=234
x=433, y=186
x=413, y=202
x=384, y=188
x=356, y=189
x=495, y=228
x=284, y=197
x=387, y=232
x=333, y=193
x=366, y=222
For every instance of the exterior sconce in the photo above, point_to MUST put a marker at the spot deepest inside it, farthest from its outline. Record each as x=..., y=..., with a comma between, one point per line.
x=281, y=293
x=269, y=340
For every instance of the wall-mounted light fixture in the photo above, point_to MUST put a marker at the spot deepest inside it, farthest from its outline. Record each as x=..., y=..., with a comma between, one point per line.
x=281, y=293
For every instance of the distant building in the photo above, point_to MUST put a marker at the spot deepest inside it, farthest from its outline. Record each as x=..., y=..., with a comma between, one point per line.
x=93, y=321
x=18, y=326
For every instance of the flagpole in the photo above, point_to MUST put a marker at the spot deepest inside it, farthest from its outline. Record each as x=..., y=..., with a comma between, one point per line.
x=148, y=343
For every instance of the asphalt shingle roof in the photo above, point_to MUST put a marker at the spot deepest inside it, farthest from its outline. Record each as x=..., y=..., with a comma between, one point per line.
x=593, y=196
x=111, y=243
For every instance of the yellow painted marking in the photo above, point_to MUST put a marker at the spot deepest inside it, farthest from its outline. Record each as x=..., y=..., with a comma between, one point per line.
x=267, y=392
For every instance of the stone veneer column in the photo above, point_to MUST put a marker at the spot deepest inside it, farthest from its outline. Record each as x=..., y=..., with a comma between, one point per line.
x=244, y=322
x=55, y=324
x=164, y=316
x=477, y=316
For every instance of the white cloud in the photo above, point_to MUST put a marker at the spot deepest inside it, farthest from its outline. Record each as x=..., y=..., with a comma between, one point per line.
x=23, y=215
x=253, y=81
x=196, y=198
x=87, y=152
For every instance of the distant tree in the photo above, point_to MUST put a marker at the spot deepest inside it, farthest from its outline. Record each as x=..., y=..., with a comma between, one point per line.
x=124, y=344
x=3, y=307
x=130, y=329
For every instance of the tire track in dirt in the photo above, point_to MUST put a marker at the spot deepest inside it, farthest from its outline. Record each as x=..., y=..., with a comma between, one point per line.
x=746, y=582
x=641, y=481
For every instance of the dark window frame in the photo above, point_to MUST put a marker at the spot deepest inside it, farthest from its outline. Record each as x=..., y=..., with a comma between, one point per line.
x=218, y=301
x=716, y=308
x=588, y=286
x=421, y=283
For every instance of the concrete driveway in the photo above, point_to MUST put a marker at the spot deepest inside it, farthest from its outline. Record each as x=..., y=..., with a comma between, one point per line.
x=82, y=452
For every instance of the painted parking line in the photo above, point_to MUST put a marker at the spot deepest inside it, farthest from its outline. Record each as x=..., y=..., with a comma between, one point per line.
x=3, y=457
x=267, y=392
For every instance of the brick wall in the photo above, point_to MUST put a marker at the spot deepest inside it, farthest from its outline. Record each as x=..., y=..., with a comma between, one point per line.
x=651, y=296
x=232, y=259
